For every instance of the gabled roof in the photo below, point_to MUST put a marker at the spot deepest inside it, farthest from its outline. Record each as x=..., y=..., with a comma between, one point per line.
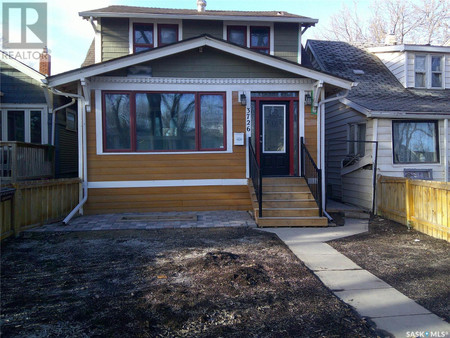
x=170, y=13
x=197, y=42
x=27, y=70
x=378, y=89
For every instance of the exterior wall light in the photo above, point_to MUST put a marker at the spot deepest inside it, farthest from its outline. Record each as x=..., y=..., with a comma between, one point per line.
x=243, y=100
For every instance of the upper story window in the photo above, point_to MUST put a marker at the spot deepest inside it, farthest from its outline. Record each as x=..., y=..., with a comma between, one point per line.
x=24, y=125
x=357, y=138
x=142, y=37
x=254, y=37
x=428, y=71
x=148, y=35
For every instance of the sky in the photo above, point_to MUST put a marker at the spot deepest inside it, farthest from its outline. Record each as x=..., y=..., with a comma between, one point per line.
x=69, y=36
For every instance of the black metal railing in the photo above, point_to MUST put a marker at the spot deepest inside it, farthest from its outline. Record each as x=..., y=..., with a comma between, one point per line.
x=256, y=175
x=312, y=175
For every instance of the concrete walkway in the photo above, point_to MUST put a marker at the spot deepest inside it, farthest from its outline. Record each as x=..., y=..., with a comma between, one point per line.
x=370, y=296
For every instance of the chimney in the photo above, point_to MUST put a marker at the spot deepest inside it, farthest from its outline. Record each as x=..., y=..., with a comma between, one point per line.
x=201, y=4
x=45, y=62
x=390, y=39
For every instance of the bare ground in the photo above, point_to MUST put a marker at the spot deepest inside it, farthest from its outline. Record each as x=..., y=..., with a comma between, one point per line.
x=166, y=283
x=414, y=263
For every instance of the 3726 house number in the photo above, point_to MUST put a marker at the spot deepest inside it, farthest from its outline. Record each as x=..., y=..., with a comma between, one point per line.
x=248, y=120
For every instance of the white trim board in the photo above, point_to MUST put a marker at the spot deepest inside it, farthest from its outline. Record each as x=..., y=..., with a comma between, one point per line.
x=166, y=183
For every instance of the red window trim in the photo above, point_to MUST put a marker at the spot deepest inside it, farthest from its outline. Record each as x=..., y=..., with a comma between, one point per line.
x=159, y=33
x=145, y=45
x=133, y=141
x=268, y=42
x=244, y=28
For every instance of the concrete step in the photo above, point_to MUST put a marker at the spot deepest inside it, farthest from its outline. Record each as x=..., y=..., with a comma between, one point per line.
x=289, y=212
x=292, y=222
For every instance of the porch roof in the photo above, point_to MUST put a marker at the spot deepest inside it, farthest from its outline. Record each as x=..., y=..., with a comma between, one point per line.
x=189, y=44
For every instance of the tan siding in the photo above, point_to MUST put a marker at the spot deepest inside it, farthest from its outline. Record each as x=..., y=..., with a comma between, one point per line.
x=311, y=132
x=168, y=167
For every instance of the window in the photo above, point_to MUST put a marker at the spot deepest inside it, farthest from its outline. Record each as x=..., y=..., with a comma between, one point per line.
x=357, y=137
x=238, y=35
x=23, y=125
x=415, y=141
x=428, y=71
x=71, y=120
x=167, y=34
x=155, y=121
x=142, y=37
x=259, y=37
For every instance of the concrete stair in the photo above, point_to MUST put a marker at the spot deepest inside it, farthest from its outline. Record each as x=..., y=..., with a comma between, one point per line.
x=287, y=202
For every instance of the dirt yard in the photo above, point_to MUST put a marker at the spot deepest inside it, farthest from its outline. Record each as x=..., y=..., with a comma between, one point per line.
x=165, y=283
x=415, y=264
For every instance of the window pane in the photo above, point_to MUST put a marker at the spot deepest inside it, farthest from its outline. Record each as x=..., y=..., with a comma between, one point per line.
x=141, y=49
x=237, y=35
x=436, y=80
x=35, y=126
x=361, y=146
x=168, y=34
x=415, y=142
x=420, y=63
x=211, y=117
x=274, y=122
x=436, y=64
x=165, y=121
x=16, y=125
x=259, y=36
x=117, y=121
x=143, y=34
x=420, y=80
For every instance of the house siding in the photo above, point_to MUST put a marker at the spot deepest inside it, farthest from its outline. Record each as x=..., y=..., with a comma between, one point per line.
x=18, y=87
x=67, y=148
x=395, y=62
x=209, y=63
x=358, y=188
x=337, y=118
x=193, y=28
x=286, y=39
x=110, y=168
x=115, y=38
x=385, y=158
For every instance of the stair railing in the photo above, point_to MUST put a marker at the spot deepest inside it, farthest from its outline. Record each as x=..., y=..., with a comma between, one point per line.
x=312, y=175
x=256, y=175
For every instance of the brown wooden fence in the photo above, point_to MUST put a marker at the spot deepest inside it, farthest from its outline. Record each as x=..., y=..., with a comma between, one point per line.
x=36, y=203
x=423, y=205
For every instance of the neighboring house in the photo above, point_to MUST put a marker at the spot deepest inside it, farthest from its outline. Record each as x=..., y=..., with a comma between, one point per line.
x=170, y=96
x=402, y=102
x=26, y=108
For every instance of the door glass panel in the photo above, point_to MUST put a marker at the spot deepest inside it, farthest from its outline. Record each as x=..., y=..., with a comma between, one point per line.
x=274, y=129
x=36, y=126
x=16, y=125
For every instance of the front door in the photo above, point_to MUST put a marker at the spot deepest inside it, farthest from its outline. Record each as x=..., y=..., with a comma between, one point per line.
x=274, y=119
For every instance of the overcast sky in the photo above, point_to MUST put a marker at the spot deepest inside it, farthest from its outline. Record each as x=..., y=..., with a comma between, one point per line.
x=69, y=36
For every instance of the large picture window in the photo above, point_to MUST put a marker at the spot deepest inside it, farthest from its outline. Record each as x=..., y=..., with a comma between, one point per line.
x=155, y=121
x=415, y=141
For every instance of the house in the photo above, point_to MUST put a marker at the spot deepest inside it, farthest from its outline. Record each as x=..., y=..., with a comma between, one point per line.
x=168, y=100
x=393, y=123
x=26, y=122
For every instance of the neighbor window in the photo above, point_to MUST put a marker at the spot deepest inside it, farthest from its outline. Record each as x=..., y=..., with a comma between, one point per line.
x=357, y=138
x=259, y=37
x=415, y=141
x=154, y=121
x=23, y=125
x=142, y=37
x=428, y=71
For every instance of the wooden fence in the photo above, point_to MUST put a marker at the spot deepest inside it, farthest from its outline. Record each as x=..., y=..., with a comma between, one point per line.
x=423, y=205
x=36, y=203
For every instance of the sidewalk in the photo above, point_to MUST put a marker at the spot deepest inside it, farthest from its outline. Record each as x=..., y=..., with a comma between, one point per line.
x=370, y=296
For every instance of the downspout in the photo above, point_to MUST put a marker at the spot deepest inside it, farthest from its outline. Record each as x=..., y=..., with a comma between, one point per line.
x=321, y=116
x=84, y=176
x=54, y=118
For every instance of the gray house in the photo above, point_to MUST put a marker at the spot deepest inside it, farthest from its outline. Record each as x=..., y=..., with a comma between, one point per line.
x=26, y=116
x=401, y=102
